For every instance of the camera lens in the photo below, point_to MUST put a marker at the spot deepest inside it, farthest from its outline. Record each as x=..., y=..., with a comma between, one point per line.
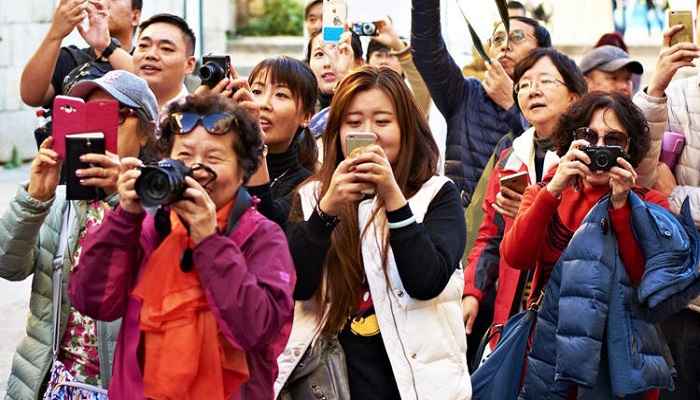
x=211, y=74
x=154, y=187
x=602, y=161
x=368, y=29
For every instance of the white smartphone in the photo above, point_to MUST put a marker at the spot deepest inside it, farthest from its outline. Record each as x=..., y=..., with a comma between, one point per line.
x=335, y=17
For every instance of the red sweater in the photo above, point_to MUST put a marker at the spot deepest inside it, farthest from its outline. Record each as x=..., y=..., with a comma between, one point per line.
x=545, y=224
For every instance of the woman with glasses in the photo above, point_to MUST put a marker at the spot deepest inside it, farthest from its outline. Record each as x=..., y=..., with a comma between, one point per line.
x=285, y=89
x=600, y=140
x=206, y=294
x=42, y=230
x=547, y=82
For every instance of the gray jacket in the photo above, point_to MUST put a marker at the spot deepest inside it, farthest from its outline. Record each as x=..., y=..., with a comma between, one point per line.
x=29, y=236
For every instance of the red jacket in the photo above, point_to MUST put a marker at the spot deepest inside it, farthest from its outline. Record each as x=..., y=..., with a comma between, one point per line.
x=484, y=264
x=248, y=278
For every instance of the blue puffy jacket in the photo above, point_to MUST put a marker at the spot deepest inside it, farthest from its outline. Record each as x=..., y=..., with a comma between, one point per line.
x=594, y=329
x=474, y=122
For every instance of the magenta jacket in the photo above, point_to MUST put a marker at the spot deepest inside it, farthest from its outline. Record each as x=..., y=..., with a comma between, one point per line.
x=248, y=279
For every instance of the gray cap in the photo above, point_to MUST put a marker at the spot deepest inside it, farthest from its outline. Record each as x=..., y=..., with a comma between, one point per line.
x=127, y=88
x=609, y=58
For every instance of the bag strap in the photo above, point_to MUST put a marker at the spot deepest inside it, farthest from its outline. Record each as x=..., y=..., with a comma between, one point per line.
x=57, y=278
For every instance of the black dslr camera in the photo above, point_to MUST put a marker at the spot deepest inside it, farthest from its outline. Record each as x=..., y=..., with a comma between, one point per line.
x=603, y=157
x=364, y=29
x=162, y=183
x=214, y=69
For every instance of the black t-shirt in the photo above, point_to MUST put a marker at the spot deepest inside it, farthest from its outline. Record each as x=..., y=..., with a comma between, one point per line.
x=70, y=58
x=369, y=370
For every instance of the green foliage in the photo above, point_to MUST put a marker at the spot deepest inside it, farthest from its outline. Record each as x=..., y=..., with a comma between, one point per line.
x=282, y=17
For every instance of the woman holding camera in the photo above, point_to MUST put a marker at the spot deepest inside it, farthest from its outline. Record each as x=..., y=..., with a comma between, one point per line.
x=376, y=238
x=600, y=139
x=285, y=89
x=206, y=297
x=41, y=229
x=547, y=82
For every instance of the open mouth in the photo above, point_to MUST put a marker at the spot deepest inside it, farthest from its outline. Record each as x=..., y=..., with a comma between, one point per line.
x=265, y=123
x=537, y=106
x=149, y=69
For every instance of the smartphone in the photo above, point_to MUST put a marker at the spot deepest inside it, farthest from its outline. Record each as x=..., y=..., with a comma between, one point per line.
x=72, y=115
x=335, y=17
x=685, y=18
x=516, y=182
x=355, y=142
x=77, y=146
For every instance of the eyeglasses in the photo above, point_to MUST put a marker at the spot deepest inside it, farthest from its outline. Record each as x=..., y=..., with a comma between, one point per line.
x=217, y=123
x=517, y=36
x=524, y=86
x=124, y=113
x=612, y=138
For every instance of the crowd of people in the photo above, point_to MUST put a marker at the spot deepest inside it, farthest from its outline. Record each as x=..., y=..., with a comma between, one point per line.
x=314, y=242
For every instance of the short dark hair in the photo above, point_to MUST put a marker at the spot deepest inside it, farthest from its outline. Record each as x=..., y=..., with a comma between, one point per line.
x=573, y=78
x=355, y=43
x=581, y=112
x=375, y=46
x=178, y=22
x=542, y=36
x=516, y=5
x=137, y=5
x=247, y=139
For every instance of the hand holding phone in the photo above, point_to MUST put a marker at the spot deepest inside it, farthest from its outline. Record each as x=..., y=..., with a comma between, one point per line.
x=355, y=144
x=685, y=18
x=78, y=146
x=335, y=18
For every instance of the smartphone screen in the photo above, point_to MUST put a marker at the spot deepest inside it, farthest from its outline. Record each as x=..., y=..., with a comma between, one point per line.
x=335, y=17
x=685, y=18
x=77, y=146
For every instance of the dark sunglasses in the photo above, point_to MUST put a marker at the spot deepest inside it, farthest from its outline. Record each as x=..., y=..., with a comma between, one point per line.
x=124, y=113
x=612, y=138
x=217, y=123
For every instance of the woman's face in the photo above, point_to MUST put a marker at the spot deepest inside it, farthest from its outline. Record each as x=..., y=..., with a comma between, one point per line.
x=216, y=152
x=281, y=112
x=329, y=66
x=373, y=111
x=603, y=122
x=543, y=96
x=129, y=138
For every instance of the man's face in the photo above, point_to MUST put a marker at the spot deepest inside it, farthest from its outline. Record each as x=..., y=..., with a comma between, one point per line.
x=382, y=58
x=509, y=51
x=314, y=19
x=619, y=81
x=122, y=18
x=161, y=59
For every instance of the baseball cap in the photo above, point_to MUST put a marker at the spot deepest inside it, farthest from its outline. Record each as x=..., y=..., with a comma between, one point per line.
x=609, y=58
x=127, y=88
x=309, y=4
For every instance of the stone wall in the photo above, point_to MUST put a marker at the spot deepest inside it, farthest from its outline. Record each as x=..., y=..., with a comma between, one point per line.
x=22, y=27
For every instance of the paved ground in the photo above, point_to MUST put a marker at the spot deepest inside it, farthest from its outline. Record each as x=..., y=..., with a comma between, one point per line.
x=14, y=296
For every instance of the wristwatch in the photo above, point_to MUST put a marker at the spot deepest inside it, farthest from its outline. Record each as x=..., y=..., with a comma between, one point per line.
x=113, y=44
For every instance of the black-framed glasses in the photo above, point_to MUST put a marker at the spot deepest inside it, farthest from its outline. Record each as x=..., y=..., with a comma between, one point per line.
x=611, y=138
x=525, y=86
x=516, y=36
x=216, y=123
x=124, y=113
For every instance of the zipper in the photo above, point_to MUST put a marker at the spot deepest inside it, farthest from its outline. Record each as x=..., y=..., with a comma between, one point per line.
x=403, y=347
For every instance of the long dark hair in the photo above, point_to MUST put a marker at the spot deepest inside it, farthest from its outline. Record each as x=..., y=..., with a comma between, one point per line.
x=417, y=164
x=302, y=82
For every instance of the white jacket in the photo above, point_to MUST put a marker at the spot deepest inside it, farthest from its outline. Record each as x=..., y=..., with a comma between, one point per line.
x=678, y=112
x=425, y=340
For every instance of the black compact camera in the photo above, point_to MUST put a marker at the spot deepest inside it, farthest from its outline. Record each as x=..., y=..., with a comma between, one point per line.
x=603, y=157
x=214, y=69
x=162, y=183
x=364, y=29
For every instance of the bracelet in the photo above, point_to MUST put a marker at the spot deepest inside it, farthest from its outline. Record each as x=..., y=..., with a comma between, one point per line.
x=402, y=224
x=330, y=221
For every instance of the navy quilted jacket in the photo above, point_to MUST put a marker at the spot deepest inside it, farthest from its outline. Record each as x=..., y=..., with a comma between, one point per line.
x=474, y=122
x=596, y=330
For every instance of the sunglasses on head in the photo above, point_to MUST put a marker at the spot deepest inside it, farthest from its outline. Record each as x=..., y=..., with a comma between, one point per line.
x=218, y=123
x=612, y=138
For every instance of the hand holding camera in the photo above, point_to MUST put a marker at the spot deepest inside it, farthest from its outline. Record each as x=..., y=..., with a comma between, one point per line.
x=219, y=76
x=45, y=172
x=129, y=172
x=573, y=165
x=622, y=179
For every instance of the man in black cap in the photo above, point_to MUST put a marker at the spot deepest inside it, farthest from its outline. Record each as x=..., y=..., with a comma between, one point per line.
x=610, y=69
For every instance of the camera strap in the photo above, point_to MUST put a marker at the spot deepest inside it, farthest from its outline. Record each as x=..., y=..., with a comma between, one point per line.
x=243, y=202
